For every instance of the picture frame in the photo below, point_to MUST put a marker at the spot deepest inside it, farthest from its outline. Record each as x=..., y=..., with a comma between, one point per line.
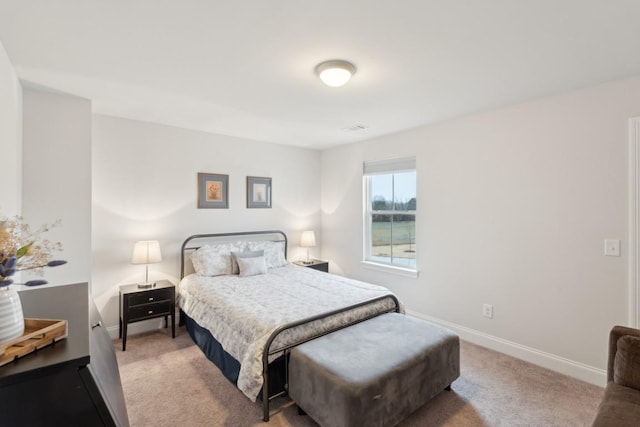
x=213, y=191
x=258, y=192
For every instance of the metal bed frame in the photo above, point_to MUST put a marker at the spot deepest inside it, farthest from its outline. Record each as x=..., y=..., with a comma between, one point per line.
x=287, y=348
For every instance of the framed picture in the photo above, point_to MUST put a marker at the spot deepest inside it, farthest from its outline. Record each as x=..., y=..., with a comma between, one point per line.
x=213, y=191
x=258, y=192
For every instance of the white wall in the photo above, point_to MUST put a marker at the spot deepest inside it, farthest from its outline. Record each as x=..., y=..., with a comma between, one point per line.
x=145, y=187
x=57, y=178
x=513, y=208
x=10, y=137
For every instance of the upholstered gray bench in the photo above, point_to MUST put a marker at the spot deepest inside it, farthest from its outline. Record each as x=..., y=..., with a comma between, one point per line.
x=374, y=373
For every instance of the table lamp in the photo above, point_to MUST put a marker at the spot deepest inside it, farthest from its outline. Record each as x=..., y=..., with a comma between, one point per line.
x=146, y=252
x=308, y=240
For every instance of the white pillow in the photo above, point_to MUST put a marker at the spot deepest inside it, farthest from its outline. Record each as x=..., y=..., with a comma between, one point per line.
x=240, y=246
x=252, y=266
x=247, y=254
x=273, y=252
x=215, y=259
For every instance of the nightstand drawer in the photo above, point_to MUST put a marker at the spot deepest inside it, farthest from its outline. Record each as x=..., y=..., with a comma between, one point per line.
x=321, y=266
x=149, y=310
x=150, y=297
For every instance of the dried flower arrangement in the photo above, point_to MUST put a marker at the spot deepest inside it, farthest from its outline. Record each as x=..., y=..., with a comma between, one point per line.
x=23, y=249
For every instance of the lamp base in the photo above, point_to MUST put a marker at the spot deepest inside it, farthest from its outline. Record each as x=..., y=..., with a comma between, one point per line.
x=146, y=285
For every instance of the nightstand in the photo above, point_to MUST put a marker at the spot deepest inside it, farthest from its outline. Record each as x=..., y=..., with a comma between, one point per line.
x=138, y=304
x=316, y=264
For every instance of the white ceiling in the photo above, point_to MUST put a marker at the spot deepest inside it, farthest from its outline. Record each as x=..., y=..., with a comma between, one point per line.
x=246, y=67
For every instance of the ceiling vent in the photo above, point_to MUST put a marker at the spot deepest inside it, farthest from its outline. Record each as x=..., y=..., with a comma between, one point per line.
x=355, y=128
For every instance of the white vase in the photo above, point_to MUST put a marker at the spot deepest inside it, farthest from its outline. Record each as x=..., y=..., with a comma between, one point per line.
x=11, y=317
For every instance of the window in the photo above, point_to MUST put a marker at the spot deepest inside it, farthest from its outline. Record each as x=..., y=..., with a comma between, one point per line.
x=390, y=213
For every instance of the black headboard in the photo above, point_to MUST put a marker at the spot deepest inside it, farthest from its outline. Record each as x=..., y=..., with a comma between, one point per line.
x=192, y=243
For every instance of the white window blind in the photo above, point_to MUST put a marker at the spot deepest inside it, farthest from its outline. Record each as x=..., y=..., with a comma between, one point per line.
x=390, y=165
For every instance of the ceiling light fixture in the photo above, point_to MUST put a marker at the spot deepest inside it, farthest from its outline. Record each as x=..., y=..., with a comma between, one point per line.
x=335, y=73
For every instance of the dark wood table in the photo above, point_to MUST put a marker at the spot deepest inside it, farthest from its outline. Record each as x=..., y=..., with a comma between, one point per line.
x=73, y=382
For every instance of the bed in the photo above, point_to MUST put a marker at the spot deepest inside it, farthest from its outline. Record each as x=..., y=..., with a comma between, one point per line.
x=246, y=307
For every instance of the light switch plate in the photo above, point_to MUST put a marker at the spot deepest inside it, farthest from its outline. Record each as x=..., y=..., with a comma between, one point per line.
x=612, y=247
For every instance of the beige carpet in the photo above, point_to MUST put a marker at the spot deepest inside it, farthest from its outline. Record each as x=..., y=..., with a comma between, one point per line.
x=169, y=382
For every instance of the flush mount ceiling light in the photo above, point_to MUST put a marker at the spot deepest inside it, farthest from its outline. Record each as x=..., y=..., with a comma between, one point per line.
x=335, y=73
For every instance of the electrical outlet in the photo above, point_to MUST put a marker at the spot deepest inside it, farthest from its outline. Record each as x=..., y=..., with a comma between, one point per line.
x=487, y=310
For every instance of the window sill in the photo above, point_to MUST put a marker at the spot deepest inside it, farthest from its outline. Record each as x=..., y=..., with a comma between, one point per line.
x=406, y=272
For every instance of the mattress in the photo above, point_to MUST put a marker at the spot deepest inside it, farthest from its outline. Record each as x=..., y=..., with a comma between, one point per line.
x=242, y=312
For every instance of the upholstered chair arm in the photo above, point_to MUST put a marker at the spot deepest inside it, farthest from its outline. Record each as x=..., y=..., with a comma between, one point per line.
x=614, y=336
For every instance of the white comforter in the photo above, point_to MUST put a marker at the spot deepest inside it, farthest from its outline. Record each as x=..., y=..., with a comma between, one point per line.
x=242, y=312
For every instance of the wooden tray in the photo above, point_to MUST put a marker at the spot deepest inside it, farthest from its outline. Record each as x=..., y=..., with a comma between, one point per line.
x=38, y=333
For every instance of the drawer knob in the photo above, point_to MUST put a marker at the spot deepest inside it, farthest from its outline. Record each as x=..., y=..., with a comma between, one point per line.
x=150, y=312
x=150, y=298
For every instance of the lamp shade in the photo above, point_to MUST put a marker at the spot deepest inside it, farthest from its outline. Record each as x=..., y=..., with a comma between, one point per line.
x=146, y=252
x=308, y=239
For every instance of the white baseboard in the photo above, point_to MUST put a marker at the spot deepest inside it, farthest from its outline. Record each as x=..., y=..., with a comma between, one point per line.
x=550, y=361
x=114, y=332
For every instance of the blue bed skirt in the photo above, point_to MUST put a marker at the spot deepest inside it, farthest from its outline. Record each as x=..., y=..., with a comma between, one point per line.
x=227, y=364
x=211, y=348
